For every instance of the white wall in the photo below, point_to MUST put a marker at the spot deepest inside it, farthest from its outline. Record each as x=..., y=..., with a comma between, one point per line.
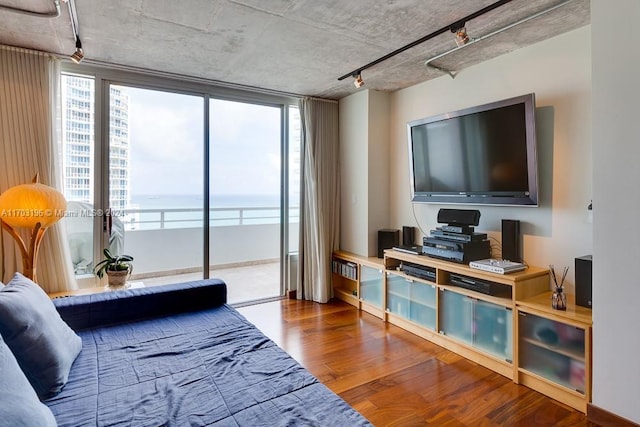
x=354, y=167
x=364, y=170
x=378, y=158
x=558, y=71
x=616, y=152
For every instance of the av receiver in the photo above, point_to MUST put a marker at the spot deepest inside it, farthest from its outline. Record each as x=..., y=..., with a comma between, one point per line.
x=460, y=252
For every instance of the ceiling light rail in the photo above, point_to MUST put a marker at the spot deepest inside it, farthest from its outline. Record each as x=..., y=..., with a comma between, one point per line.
x=52, y=14
x=454, y=27
x=472, y=41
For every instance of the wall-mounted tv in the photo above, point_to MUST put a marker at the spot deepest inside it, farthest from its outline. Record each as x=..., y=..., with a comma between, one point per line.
x=479, y=155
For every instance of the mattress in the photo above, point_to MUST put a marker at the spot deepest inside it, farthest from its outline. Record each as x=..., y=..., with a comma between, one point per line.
x=204, y=368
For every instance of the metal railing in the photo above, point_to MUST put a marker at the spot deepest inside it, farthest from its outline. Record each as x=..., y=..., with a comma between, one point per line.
x=164, y=218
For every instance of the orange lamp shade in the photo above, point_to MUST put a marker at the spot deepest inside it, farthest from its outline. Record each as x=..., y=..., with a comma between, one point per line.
x=28, y=204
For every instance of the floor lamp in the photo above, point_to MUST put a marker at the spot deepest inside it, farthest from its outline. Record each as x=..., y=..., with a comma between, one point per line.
x=33, y=206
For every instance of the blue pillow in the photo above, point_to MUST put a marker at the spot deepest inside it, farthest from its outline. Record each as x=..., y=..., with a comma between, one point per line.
x=19, y=405
x=43, y=344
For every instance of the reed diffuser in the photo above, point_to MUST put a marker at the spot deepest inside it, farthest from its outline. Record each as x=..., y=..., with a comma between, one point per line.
x=559, y=298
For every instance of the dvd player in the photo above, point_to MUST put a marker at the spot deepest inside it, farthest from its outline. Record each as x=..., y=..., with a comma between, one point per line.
x=483, y=286
x=473, y=237
x=421, y=271
x=409, y=249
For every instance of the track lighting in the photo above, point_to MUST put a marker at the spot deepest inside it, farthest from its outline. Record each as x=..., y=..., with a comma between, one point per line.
x=358, y=82
x=78, y=55
x=451, y=27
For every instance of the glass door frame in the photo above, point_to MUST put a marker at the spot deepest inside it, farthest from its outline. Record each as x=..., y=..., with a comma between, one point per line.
x=105, y=77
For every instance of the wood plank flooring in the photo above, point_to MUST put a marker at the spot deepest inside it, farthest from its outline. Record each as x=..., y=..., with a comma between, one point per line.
x=395, y=378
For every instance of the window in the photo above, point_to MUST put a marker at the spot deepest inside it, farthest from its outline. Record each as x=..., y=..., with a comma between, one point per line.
x=154, y=176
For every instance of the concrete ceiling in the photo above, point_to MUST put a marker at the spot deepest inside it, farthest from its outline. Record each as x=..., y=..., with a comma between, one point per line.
x=293, y=46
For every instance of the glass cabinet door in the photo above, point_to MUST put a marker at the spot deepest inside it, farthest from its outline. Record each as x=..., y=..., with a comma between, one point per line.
x=371, y=285
x=412, y=300
x=456, y=316
x=553, y=350
x=398, y=295
x=485, y=326
x=422, y=305
x=493, y=329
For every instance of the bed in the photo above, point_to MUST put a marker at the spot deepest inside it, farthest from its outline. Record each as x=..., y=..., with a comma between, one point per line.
x=178, y=355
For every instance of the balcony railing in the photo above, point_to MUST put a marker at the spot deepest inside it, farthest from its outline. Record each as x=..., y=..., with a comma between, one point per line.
x=164, y=218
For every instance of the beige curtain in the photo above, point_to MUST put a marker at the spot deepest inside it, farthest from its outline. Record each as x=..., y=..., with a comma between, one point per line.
x=320, y=213
x=29, y=89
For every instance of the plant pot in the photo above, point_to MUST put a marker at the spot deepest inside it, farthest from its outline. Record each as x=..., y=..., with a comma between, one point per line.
x=117, y=279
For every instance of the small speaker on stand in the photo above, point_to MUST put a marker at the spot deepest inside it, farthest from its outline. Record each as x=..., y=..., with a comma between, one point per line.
x=584, y=271
x=511, y=240
x=386, y=240
x=408, y=235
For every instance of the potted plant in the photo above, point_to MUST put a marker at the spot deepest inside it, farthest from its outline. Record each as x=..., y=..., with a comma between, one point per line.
x=117, y=267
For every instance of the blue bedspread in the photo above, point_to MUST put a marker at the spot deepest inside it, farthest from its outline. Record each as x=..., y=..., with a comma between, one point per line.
x=210, y=367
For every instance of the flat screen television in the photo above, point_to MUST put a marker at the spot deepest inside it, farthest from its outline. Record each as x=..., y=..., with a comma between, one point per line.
x=480, y=155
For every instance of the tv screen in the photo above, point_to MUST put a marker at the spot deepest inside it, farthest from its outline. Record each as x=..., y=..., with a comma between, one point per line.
x=479, y=155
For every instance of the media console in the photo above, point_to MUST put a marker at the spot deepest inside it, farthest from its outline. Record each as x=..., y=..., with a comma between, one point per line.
x=502, y=321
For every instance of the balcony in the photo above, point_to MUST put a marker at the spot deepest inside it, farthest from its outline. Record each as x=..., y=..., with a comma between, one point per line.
x=167, y=245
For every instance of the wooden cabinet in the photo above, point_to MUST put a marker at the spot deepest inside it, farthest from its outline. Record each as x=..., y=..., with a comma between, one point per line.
x=513, y=331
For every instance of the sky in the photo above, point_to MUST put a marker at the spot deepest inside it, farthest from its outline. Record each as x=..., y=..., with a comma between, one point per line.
x=166, y=145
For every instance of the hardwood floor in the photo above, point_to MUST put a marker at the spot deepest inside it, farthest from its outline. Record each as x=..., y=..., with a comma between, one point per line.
x=395, y=378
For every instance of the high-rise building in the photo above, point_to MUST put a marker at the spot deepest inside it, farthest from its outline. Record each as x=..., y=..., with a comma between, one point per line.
x=119, y=194
x=78, y=148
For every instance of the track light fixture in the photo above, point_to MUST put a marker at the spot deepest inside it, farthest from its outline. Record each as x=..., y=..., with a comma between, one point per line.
x=462, y=37
x=78, y=55
x=358, y=82
x=463, y=40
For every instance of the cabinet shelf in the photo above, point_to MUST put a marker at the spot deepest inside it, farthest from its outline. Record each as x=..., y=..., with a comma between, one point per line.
x=572, y=353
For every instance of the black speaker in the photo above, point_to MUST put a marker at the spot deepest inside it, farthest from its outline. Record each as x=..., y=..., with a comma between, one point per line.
x=459, y=216
x=511, y=240
x=584, y=271
x=408, y=235
x=386, y=240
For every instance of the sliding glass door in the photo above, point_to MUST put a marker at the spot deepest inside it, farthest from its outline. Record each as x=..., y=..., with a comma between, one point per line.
x=245, y=197
x=156, y=171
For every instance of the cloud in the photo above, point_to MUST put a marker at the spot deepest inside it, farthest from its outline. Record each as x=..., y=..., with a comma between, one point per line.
x=166, y=137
